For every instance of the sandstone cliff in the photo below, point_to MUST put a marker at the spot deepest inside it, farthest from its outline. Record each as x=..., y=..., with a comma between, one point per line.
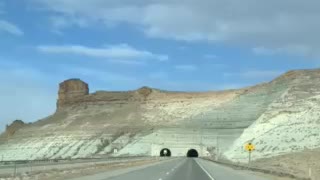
x=69, y=90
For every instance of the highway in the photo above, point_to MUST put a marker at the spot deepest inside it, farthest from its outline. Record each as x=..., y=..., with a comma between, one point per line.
x=181, y=169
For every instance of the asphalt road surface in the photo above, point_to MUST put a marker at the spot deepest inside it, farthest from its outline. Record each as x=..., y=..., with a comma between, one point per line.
x=187, y=169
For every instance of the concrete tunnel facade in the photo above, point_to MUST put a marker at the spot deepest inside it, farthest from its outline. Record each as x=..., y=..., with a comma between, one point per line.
x=184, y=151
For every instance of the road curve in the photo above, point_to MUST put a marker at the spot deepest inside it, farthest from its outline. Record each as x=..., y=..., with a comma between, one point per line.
x=187, y=169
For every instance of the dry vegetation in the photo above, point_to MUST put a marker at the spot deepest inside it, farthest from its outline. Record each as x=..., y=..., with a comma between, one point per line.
x=69, y=173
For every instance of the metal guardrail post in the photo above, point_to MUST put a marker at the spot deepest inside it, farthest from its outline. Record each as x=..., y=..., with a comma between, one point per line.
x=15, y=169
x=30, y=166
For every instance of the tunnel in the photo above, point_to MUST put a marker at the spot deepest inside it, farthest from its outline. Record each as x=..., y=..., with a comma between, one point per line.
x=192, y=153
x=165, y=152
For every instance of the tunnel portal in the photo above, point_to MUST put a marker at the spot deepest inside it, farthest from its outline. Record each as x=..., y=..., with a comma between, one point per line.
x=165, y=152
x=192, y=153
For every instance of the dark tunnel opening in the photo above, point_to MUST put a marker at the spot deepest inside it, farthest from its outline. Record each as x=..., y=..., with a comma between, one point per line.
x=192, y=153
x=165, y=152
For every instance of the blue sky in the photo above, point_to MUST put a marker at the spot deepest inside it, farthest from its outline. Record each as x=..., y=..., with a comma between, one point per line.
x=123, y=45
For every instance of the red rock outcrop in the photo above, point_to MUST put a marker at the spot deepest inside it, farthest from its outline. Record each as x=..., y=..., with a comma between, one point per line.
x=13, y=127
x=70, y=90
x=74, y=93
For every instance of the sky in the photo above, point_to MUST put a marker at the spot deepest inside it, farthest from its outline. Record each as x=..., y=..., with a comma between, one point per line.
x=182, y=45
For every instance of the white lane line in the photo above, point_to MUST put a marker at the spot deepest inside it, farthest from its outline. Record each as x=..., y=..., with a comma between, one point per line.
x=208, y=174
x=174, y=168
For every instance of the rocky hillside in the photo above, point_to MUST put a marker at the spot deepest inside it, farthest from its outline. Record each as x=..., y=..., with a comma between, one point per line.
x=281, y=116
x=92, y=124
x=291, y=122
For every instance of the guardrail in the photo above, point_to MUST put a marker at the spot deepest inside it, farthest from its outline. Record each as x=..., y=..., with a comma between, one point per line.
x=16, y=168
x=71, y=159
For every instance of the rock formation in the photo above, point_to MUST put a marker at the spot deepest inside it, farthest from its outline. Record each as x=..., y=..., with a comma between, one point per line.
x=291, y=122
x=69, y=90
x=279, y=117
x=13, y=127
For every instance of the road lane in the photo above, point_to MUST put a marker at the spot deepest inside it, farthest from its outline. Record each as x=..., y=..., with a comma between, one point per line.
x=219, y=172
x=157, y=172
x=170, y=169
x=182, y=169
x=190, y=170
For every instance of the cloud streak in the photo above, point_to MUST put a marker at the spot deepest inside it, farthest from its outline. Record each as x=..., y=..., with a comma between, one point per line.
x=122, y=52
x=288, y=25
x=8, y=27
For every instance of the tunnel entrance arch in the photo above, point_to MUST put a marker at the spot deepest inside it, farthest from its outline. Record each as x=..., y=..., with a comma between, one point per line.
x=165, y=152
x=192, y=153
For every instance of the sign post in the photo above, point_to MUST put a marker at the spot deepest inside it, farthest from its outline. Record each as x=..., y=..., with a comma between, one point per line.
x=249, y=147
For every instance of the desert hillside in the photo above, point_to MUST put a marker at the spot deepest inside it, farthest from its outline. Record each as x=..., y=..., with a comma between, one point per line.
x=279, y=117
x=291, y=122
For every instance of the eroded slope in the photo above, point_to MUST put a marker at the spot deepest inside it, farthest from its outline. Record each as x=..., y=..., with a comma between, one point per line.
x=290, y=124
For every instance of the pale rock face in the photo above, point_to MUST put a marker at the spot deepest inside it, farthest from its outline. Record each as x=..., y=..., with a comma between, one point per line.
x=174, y=111
x=290, y=124
x=179, y=140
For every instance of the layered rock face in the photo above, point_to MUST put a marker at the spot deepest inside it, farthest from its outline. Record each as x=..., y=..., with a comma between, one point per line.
x=144, y=121
x=291, y=122
x=70, y=90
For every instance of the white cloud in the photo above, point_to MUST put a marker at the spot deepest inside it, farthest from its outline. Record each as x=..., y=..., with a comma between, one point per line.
x=8, y=27
x=271, y=24
x=121, y=53
x=186, y=67
x=61, y=22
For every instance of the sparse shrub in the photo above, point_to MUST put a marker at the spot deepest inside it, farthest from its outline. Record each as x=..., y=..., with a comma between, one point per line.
x=117, y=135
x=103, y=143
x=131, y=135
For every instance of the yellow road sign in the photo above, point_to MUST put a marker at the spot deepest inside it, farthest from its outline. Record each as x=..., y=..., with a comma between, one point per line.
x=249, y=147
